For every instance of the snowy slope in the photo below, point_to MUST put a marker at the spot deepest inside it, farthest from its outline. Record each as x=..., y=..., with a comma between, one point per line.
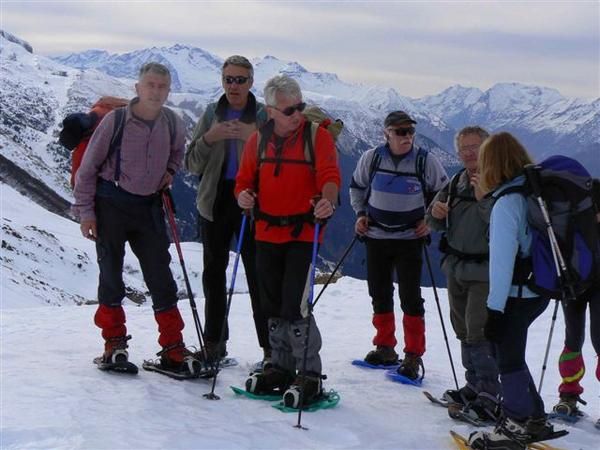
x=53, y=397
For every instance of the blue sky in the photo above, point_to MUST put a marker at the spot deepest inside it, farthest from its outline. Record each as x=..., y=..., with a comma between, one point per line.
x=419, y=48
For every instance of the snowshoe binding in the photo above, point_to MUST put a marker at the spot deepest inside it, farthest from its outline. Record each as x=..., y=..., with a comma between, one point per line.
x=116, y=357
x=304, y=390
x=179, y=363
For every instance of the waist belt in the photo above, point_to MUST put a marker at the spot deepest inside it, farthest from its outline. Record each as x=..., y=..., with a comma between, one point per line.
x=394, y=229
x=297, y=220
x=448, y=250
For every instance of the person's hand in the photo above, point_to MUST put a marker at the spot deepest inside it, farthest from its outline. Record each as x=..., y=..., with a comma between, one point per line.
x=474, y=180
x=421, y=230
x=246, y=199
x=220, y=131
x=495, y=326
x=244, y=130
x=88, y=229
x=324, y=208
x=166, y=181
x=439, y=210
x=362, y=225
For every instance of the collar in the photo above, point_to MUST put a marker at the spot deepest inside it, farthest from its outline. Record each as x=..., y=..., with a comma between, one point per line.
x=248, y=115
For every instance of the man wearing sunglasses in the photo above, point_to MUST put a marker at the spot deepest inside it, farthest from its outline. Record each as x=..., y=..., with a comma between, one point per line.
x=389, y=191
x=214, y=154
x=288, y=194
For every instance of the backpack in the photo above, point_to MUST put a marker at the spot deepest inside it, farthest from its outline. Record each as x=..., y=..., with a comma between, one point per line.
x=79, y=127
x=315, y=118
x=562, y=187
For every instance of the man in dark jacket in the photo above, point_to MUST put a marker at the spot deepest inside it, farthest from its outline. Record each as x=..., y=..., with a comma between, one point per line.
x=214, y=154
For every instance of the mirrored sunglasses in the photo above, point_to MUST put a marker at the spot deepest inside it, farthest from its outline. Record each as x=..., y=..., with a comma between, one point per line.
x=236, y=80
x=403, y=131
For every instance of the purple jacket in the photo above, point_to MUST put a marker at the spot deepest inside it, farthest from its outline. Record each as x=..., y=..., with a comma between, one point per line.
x=145, y=157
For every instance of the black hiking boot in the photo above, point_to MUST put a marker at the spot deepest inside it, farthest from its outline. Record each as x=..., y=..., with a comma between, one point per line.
x=484, y=408
x=412, y=367
x=509, y=434
x=383, y=355
x=214, y=352
x=462, y=396
x=271, y=380
x=309, y=386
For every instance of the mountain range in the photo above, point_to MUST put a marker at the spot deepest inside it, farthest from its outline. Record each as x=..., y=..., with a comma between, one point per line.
x=39, y=91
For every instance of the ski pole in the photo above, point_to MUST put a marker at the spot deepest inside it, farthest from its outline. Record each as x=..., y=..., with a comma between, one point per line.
x=313, y=268
x=437, y=302
x=336, y=269
x=211, y=395
x=168, y=206
x=554, y=314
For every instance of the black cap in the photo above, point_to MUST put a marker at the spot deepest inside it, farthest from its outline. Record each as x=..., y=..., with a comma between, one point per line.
x=398, y=117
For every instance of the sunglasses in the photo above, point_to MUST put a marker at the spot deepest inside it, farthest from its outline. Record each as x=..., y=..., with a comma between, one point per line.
x=292, y=109
x=403, y=131
x=236, y=80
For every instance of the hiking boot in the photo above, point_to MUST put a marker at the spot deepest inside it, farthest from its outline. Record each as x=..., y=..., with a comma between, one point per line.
x=484, y=408
x=178, y=359
x=412, y=367
x=115, y=350
x=567, y=405
x=509, y=434
x=539, y=429
x=214, y=352
x=309, y=386
x=383, y=355
x=273, y=379
x=461, y=396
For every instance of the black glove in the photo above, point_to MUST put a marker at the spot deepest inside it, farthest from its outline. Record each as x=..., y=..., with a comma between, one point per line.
x=495, y=326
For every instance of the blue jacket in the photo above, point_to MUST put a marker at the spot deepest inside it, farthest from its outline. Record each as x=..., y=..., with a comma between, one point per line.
x=509, y=234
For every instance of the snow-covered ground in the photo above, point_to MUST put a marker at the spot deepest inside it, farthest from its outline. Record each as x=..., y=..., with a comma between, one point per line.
x=52, y=397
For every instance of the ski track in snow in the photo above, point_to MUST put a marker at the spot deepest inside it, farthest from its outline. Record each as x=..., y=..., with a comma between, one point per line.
x=53, y=397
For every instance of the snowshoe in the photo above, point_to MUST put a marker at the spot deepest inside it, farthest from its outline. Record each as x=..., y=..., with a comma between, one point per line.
x=254, y=396
x=461, y=396
x=437, y=401
x=363, y=363
x=115, y=357
x=483, y=410
x=179, y=363
x=119, y=366
x=326, y=400
x=304, y=390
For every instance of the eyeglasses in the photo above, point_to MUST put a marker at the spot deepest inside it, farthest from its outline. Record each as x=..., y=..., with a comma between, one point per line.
x=469, y=148
x=292, y=109
x=403, y=131
x=237, y=80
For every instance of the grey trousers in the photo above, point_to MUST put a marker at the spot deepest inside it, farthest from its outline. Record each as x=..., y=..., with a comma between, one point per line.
x=287, y=341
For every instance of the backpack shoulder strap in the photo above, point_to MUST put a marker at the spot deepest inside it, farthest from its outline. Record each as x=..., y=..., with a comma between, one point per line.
x=375, y=162
x=453, y=184
x=172, y=121
x=309, y=136
x=511, y=190
x=420, y=166
x=117, y=137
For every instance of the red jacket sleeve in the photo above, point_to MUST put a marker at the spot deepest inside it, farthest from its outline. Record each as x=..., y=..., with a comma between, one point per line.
x=246, y=176
x=326, y=160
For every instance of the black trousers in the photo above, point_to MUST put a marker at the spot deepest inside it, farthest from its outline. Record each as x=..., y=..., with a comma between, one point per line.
x=521, y=399
x=575, y=320
x=216, y=241
x=142, y=224
x=284, y=273
x=405, y=257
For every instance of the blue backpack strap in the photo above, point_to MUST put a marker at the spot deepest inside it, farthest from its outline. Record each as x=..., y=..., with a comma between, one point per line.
x=115, y=142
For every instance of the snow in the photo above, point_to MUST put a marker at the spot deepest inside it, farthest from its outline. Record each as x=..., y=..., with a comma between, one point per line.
x=53, y=397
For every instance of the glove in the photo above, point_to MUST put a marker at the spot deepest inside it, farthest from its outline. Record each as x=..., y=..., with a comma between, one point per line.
x=495, y=326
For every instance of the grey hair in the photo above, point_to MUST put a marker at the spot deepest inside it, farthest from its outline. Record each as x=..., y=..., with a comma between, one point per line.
x=471, y=129
x=281, y=84
x=241, y=61
x=154, y=67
